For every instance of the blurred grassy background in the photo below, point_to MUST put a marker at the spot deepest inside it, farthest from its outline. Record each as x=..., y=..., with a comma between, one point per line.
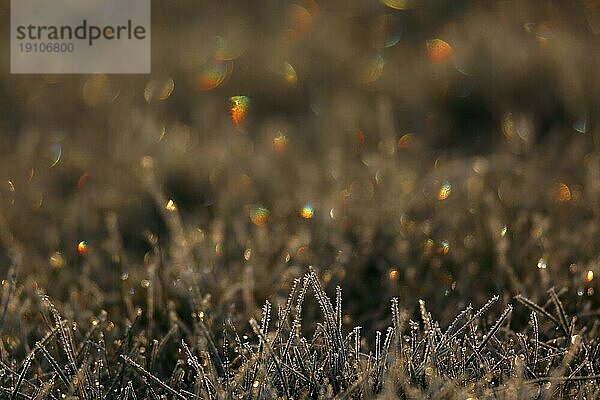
x=448, y=150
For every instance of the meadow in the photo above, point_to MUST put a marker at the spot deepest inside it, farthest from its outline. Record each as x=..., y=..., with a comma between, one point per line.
x=342, y=199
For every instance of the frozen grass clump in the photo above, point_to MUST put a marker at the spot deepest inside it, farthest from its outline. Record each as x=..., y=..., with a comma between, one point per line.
x=477, y=355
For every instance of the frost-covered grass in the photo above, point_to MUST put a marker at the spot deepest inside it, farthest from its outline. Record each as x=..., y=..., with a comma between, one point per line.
x=390, y=222
x=183, y=321
x=474, y=357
